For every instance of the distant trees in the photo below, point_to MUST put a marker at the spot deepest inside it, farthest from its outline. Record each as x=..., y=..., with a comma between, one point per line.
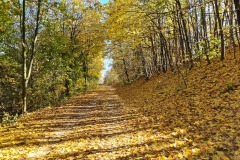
x=149, y=36
x=55, y=47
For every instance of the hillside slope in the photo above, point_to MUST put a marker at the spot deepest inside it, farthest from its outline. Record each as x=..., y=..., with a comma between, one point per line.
x=206, y=114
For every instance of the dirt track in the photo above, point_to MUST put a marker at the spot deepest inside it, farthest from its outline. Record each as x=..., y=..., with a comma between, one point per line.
x=93, y=125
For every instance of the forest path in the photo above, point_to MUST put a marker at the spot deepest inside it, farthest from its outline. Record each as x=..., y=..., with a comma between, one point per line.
x=89, y=126
x=97, y=125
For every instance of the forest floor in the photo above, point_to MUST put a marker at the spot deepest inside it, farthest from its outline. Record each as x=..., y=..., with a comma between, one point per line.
x=202, y=120
x=155, y=119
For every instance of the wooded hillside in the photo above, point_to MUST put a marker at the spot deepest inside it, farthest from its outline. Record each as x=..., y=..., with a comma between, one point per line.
x=149, y=37
x=205, y=116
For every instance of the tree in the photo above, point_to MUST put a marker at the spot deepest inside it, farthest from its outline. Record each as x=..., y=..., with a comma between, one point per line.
x=149, y=37
x=237, y=8
x=48, y=50
x=221, y=30
x=27, y=67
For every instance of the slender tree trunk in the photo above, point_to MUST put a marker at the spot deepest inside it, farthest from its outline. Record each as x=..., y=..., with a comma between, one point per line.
x=181, y=41
x=215, y=21
x=209, y=17
x=24, y=60
x=144, y=67
x=125, y=70
x=196, y=37
x=188, y=49
x=85, y=70
x=165, y=52
x=67, y=86
x=237, y=8
x=204, y=28
x=231, y=29
x=236, y=33
x=27, y=68
x=33, y=44
x=155, y=57
x=163, y=62
x=221, y=31
x=175, y=48
x=180, y=73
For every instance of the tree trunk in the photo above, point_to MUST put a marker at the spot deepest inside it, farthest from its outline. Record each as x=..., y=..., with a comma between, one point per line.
x=155, y=57
x=237, y=8
x=125, y=70
x=215, y=21
x=85, y=71
x=231, y=29
x=205, y=37
x=27, y=69
x=24, y=60
x=188, y=49
x=221, y=31
x=181, y=40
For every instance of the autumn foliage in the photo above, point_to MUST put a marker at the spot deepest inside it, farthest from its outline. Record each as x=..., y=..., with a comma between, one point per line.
x=175, y=67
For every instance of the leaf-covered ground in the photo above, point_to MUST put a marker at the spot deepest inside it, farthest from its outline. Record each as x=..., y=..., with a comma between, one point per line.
x=202, y=121
x=156, y=119
x=91, y=126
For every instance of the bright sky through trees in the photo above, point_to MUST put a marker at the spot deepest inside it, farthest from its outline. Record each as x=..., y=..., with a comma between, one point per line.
x=103, y=1
x=107, y=62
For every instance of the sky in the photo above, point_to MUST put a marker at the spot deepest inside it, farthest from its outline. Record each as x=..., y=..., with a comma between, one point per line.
x=107, y=68
x=107, y=61
x=103, y=1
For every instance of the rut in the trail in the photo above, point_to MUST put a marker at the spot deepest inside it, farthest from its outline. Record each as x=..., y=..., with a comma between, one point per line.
x=93, y=125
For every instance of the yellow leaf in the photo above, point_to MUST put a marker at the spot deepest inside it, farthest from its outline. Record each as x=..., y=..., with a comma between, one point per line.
x=187, y=152
x=215, y=157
